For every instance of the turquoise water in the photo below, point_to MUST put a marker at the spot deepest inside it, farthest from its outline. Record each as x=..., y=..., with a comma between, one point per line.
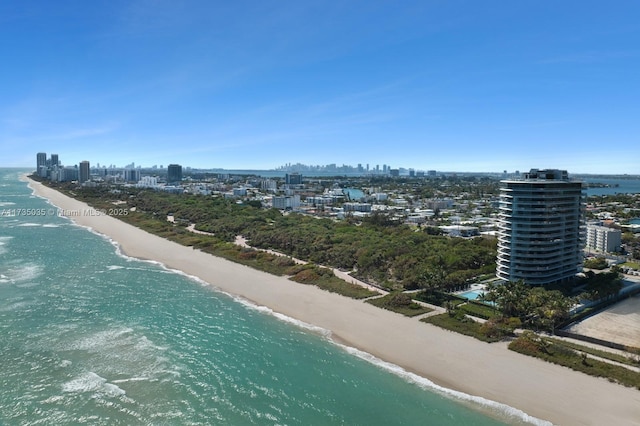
x=472, y=294
x=88, y=336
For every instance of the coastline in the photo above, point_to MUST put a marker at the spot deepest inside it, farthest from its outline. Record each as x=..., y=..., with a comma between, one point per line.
x=461, y=363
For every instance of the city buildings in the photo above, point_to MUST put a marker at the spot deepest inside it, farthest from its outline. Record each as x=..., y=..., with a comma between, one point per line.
x=293, y=179
x=174, y=173
x=603, y=239
x=286, y=202
x=541, y=232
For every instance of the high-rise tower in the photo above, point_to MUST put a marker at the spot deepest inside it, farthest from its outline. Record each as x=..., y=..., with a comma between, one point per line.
x=174, y=173
x=541, y=230
x=41, y=160
x=84, y=172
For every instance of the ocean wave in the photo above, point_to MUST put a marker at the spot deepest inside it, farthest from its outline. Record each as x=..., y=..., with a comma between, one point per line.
x=103, y=339
x=114, y=267
x=503, y=409
x=91, y=382
x=6, y=203
x=282, y=317
x=22, y=272
x=3, y=242
x=15, y=306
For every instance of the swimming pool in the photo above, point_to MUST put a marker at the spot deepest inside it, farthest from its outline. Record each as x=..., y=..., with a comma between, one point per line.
x=472, y=294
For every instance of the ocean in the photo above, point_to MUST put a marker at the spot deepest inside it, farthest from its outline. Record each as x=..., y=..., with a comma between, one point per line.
x=90, y=336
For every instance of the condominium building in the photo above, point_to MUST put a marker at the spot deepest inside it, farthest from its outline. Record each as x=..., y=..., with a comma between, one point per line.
x=286, y=203
x=174, y=173
x=604, y=239
x=84, y=172
x=541, y=231
x=132, y=175
x=293, y=179
x=41, y=164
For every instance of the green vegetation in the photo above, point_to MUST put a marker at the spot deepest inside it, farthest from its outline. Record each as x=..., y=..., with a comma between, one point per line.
x=326, y=280
x=400, y=303
x=491, y=331
x=603, y=286
x=559, y=353
x=632, y=265
x=439, y=298
x=596, y=263
x=632, y=359
x=479, y=310
x=377, y=249
x=535, y=307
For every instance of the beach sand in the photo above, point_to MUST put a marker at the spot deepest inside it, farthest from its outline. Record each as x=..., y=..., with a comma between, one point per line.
x=451, y=360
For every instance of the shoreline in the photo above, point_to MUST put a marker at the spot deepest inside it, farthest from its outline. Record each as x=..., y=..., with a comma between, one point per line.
x=448, y=360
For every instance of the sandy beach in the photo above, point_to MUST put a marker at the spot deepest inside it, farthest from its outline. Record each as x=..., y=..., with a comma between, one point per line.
x=542, y=390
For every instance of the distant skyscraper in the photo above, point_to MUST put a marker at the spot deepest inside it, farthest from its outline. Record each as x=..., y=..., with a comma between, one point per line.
x=41, y=160
x=293, y=179
x=174, y=173
x=54, y=160
x=541, y=231
x=83, y=173
x=131, y=175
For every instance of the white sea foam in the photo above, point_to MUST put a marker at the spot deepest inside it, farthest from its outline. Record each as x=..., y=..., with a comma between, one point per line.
x=102, y=339
x=6, y=203
x=29, y=224
x=504, y=409
x=114, y=267
x=91, y=382
x=51, y=225
x=422, y=382
x=132, y=379
x=27, y=285
x=144, y=343
x=23, y=272
x=15, y=306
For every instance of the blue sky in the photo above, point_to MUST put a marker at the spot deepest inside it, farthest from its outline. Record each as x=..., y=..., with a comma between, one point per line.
x=446, y=85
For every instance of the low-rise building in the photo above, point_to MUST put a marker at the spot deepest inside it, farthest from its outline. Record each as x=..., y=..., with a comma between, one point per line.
x=604, y=239
x=286, y=203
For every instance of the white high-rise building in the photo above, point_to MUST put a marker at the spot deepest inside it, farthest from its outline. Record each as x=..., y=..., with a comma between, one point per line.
x=541, y=230
x=604, y=239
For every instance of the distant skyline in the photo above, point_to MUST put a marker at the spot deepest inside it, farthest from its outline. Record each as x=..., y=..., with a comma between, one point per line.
x=432, y=85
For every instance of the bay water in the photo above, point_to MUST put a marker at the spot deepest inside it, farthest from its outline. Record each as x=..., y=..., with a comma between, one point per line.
x=89, y=336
